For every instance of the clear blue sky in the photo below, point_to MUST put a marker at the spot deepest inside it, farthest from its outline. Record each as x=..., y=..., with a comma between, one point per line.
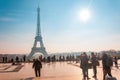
x=62, y=30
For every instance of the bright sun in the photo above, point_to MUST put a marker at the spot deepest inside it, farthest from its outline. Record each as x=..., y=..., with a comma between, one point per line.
x=84, y=15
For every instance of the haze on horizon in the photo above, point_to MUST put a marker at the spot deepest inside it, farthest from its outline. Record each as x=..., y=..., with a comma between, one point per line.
x=62, y=30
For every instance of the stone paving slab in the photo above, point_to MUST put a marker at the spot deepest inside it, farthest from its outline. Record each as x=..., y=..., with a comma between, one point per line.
x=4, y=68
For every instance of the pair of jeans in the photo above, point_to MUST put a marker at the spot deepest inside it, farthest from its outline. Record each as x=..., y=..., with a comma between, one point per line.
x=95, y=70
x=37, y=72
x=85, y=72
x=106, y=70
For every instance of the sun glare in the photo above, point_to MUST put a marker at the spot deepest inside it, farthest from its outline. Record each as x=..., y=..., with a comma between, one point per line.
x=84, y=15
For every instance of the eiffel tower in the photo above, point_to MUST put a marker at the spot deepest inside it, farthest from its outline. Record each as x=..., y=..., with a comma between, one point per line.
x=38, y=38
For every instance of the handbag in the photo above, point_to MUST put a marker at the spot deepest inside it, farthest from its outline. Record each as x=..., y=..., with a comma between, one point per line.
x=89, y=65
x=98, y=63
x=107, y=77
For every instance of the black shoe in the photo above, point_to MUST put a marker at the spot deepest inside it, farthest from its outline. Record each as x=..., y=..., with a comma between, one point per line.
x=88, y=78
x=83, y=79
x=94, y=76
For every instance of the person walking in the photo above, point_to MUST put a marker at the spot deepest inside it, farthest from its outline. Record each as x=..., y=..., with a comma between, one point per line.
x=37, y=65
x=17, y=59
x=84, y=65
x=116, y=62
x=3, y=59
x=24, y=58
x=107, y=63
x=95, y=63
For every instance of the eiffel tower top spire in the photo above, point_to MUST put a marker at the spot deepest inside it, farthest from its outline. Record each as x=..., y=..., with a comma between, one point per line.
x=38, y=33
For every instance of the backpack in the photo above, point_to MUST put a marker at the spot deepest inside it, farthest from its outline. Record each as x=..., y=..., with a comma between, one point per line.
x=95, y=61
x=107, y=77
x=109, y=61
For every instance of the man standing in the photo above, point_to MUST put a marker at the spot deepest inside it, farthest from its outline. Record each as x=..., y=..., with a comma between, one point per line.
x=107, y=64
x=3, y=59
x=37, y=67
x=116, y=62
x=84, y=65
x=95, y=63
x=24, y=58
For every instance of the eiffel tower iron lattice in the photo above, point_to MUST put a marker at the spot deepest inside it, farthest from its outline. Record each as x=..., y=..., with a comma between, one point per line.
x=38, y=38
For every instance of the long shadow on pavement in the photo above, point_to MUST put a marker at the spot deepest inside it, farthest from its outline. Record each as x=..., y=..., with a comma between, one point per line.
x=30, y=78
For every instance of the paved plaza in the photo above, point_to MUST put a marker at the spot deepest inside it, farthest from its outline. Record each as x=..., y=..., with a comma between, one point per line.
x=50, y=71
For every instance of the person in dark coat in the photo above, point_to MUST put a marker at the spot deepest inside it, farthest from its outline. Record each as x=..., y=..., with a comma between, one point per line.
x=17, y=59
x=95, y=63
x=107, y=64
x=116, y=62
x=24, y=58
x=37, y=65
x=3, y=59
x=84, y=65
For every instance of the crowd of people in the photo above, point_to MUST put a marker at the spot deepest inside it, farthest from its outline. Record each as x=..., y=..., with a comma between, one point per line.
x=15, y=60
x=93, y=62
x=86, y=62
